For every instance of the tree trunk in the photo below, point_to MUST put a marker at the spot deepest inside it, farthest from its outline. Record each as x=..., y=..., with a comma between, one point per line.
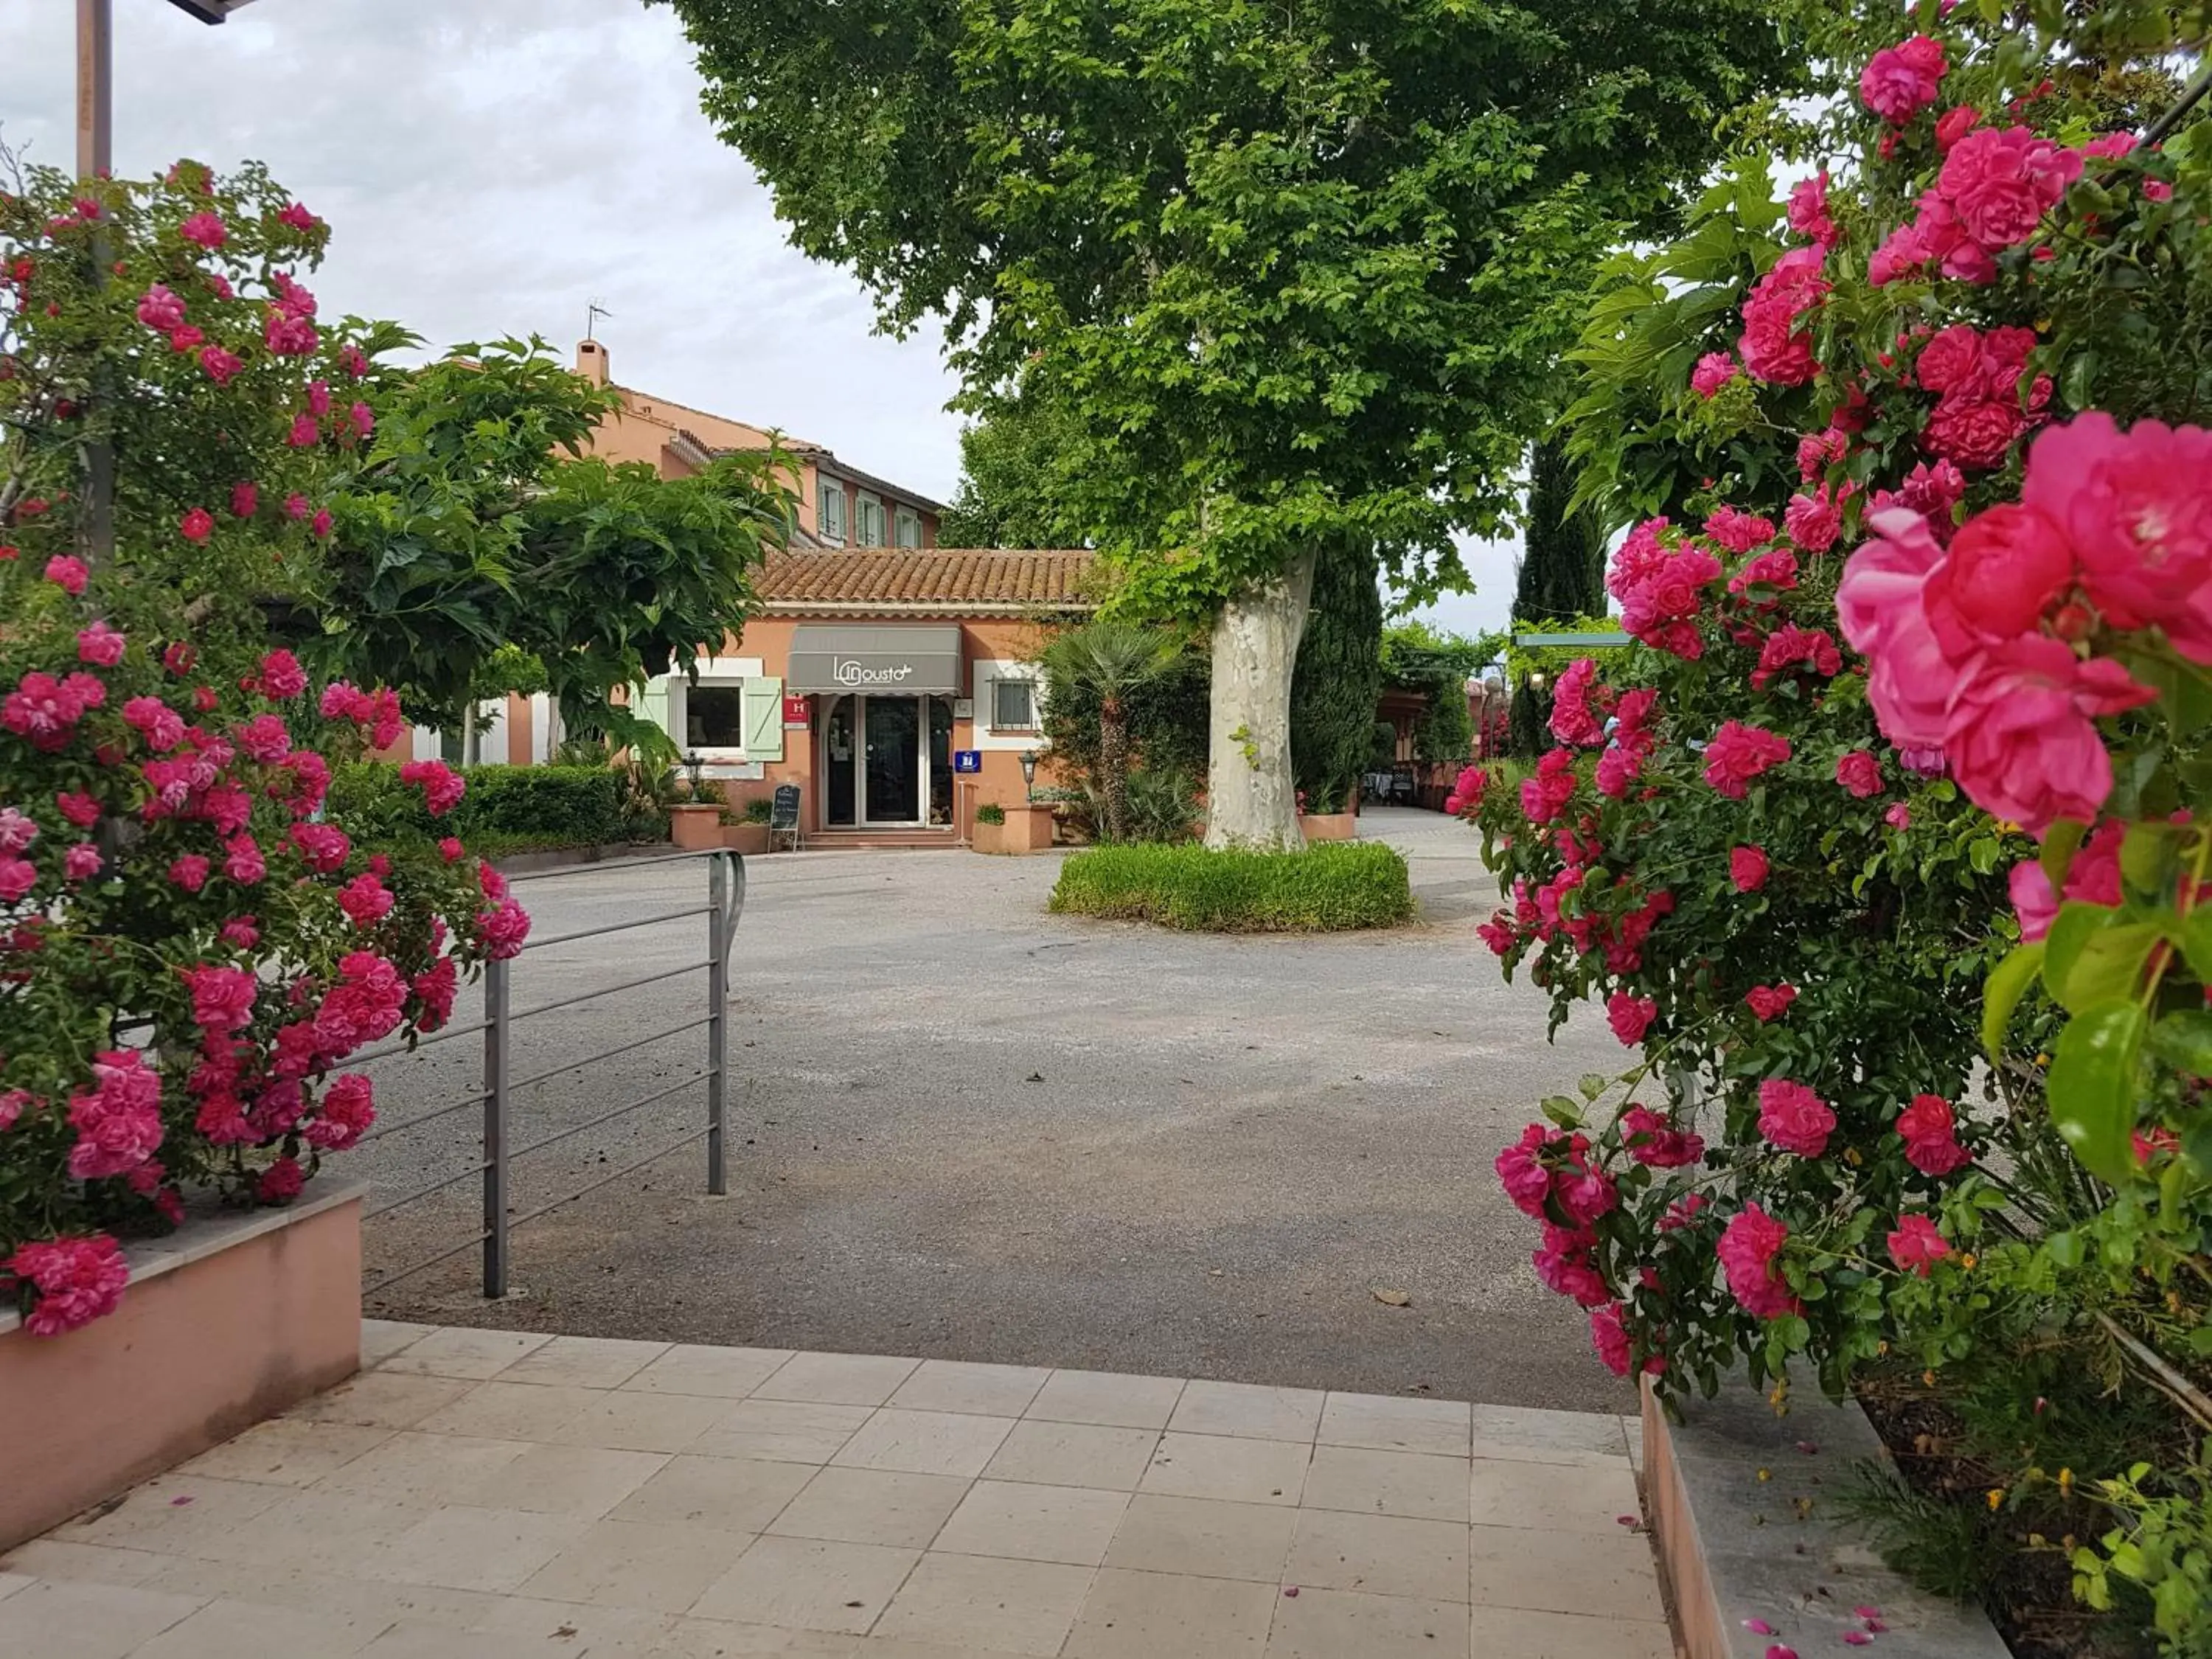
x=471, y=735
x=1251, y=800
x=1114, y=767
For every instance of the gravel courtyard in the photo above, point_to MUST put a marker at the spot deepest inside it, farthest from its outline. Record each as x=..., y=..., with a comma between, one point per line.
x=962, y=1129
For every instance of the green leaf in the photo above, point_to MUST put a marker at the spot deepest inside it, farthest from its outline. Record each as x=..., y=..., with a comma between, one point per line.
x=2093, y=1087
x=2059, y=843
x=2184, y=1040
x=2001, y=994
x=1562, y=1111
x=1593, y=1085
x=2149, y=855
x=2065, y=1249
x=2195, y=938
x=2112, y=964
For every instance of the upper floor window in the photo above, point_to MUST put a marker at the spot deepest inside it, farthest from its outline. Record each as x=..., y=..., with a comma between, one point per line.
x=1013, y=706
x=867, y=521
x=908, y=524
x=829, y=511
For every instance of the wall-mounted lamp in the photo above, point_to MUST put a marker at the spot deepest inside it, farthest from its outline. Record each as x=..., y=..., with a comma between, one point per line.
x=1029, y=773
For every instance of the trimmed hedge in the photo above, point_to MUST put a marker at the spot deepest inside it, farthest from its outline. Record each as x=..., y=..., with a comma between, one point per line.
x=1328, y=888
x=510, y=808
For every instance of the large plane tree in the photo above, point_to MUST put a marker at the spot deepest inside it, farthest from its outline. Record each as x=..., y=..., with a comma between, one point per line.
x=1295, y=269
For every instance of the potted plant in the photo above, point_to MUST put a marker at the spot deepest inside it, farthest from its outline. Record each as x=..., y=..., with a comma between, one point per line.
x=696, y=822
x=748, y=832
x=990, y=834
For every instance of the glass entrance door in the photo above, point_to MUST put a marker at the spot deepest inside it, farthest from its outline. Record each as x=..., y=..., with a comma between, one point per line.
x=891, y=728
x=840, y=744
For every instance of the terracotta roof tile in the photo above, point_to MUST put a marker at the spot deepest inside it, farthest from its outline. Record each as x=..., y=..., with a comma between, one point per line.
x=940, y=579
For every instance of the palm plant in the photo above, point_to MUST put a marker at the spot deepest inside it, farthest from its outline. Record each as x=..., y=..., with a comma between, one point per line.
x=1111, y=658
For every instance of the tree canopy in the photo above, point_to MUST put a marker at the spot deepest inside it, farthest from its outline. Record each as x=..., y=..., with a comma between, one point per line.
x=1013, y=485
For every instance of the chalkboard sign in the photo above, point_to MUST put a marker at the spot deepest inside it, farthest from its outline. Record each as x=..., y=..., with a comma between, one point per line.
x=783, y=811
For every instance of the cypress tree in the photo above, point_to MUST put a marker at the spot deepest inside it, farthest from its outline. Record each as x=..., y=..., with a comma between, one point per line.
x=1563, y=570
x=1338, y=678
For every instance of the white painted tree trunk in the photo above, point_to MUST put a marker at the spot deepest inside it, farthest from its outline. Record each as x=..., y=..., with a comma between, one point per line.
x=1251, y=797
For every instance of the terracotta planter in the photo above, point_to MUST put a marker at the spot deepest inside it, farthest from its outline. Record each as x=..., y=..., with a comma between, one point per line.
x=1028, y=829
x=1330, y=826
x=695, y=827
x=231, y=1319
x=987, y=837
x=747, y=838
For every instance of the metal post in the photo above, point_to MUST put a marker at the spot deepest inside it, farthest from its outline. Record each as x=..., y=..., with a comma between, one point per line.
x=721, y=920
x=495, y=1130
x=96, y=144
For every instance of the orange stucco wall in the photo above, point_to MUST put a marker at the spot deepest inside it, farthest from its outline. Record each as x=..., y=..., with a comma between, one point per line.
x=187, y=1360
x=982, y=639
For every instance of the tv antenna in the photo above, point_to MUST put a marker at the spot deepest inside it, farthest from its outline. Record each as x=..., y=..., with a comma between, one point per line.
x=593, y=313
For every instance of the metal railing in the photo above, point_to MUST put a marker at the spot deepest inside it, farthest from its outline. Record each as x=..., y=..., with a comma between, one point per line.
x=726, y=899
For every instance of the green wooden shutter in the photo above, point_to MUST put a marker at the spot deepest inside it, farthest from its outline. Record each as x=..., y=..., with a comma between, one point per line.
x=653, y=705
x=764, y=718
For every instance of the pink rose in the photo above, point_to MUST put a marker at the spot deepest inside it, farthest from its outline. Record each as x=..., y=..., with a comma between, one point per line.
x=281, y=1183
x=1910, y=681
x=1915, y=1245
x=220, y=366
x=1976, y=432
x=282, y=677
x=1771, y=1001
x=1794, y=1118
x=1815, y=521
x=79, y=808
x=81, y=861
x=1714, y=370
x=1859, y=772
x=1955, y=124
x=1900, y=81
x=2004, y=567
x=2002, y=180
x=17, y=878
x=1527, y=1181
x=1928, y=1128
x=1631, y=1016
x=320, y=525
x=68, y=574
x=1748, y=1248
x=203, y=229
x=245, y=500
x=1652, y=1140
x=348, y=1109
x=197, y=526
x=1748, y=868
x=2022, y=740
x=1739, y=753
x=1737, y=530
x=101, y=646
x=161, y=310
x=190, y=873
x=77, y=1280
x=305, y=434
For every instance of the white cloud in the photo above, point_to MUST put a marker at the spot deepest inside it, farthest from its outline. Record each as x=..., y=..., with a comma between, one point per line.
x=490, y=168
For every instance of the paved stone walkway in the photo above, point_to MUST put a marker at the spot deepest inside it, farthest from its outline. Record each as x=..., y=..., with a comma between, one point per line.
x=492, y=1494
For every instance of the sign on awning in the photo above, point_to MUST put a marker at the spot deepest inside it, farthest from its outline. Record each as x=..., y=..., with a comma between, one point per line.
x=885, y=660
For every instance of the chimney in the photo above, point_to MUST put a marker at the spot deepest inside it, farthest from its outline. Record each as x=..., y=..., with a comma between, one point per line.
x=592, y=361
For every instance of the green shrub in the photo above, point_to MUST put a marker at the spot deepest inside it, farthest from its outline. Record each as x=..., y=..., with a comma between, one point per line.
x=512, y=807
x=759, y=810
x=1163, y=805
x=990, y=812
x=1325, y=889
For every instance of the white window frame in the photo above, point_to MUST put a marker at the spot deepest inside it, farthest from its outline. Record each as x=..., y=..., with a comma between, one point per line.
x=905, y=523
x=1035, y=722
x=829, y=526
x=867, y=519
x=679, y=697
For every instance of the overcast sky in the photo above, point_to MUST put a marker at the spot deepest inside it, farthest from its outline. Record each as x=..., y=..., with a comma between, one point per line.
x=493, y=167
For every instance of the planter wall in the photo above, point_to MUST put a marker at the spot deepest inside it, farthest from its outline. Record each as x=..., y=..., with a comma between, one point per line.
x=1027, y=830
x=694, y=829
x=746, y=838
x=1734, y=1547
x=1330, y=826
x=229, y=1320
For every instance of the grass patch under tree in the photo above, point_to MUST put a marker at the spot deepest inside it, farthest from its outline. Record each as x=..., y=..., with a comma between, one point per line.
x=1329, y=888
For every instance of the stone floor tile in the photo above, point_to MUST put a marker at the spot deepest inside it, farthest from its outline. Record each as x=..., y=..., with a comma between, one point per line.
x=783, y=1431
x=1563, y=1573
x=955, y=1385
x=174, y=1514
x=1108, y=1398
x=1203, y=1537
x=721, y=1373
x=1517, y=1633
x=238, y=1630
x=1157, y=1615
x=87, y=1621
x=889, y=1647
x=468, y=1548
x=585, y=1480
x=585, y=1362
x=635, y=1564
x=465, y=1352
x=1379, y=1555
x=1400, y=1423
x=380, y=1399
x=805, y=1583
x=1240, y=1471
x=1074, y=1455
x=327, y=1531
x=1555, y=1497
x=285, y=1451
x=1248, y=1411
x=409, y=1641
x=313, y=1589
x=1070, y=1524
x=1390, y=1483
x=718, y=1638
x=925, y=1443
x=428, y=1470
x=1631, y=1430
x=380, y=1339
x=734, y=1494
x=1522, y=1435
x=1324, y=1624
x=872, y=1506
x=837, y=1379
x=511, y=1410
x=982, y=1602
x=58, y=1561
x=589, y=1631
x=623, y=1421
x=12, y=1582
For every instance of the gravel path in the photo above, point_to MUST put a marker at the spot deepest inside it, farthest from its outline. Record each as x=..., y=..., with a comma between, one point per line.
x=964, y=1128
